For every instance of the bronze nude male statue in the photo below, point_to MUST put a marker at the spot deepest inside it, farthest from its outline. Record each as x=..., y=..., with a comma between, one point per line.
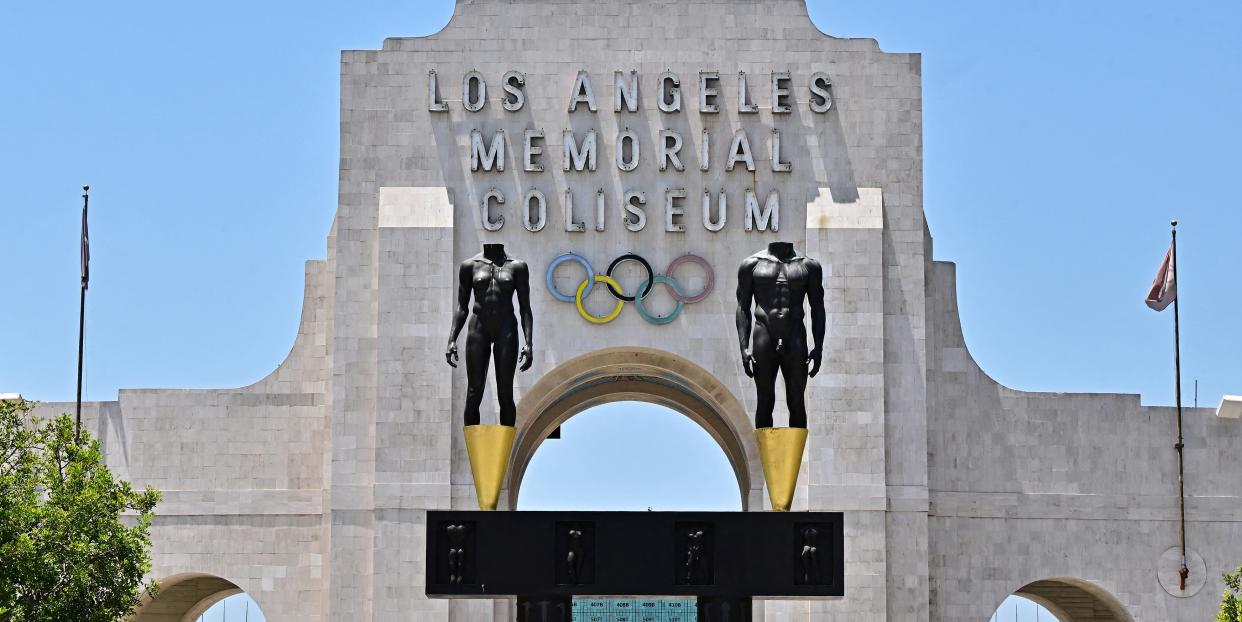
x=777, y=282
x=493, y=278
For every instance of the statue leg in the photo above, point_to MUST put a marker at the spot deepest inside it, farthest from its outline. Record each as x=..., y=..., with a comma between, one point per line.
x=794, y=371
x=766, y=366
x=478, y=345
x=505, y=353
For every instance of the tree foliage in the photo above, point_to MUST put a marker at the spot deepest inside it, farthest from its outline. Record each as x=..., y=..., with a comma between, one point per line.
x=66, y=551
x=1231, y=603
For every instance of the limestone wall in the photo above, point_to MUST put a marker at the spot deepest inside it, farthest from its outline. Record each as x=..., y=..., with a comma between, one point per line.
x=309, y=489
x=1031, y=486
x=242, y=471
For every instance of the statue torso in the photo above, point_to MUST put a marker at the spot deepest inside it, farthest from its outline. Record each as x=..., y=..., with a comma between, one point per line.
x=493, y=285
x=779, y=286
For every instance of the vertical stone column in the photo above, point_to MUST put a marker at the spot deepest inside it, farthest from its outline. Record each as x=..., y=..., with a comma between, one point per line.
x=845, y=449
x=413, y=431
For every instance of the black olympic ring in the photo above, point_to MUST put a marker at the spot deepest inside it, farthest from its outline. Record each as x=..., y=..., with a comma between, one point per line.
x=650, y=282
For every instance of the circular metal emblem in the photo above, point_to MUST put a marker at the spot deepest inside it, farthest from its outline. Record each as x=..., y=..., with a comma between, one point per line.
x=590, y=276
x=666, y=279
x=645, y=289
x=668, y=282
x=583, y=286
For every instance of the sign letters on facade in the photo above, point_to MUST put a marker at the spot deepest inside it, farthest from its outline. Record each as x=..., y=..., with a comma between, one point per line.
x=722, y=150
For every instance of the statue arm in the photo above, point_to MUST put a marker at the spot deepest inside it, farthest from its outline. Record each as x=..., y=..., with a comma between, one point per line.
x=745, y=295
x=819, y=316
x=461, y=312
x=522, y=276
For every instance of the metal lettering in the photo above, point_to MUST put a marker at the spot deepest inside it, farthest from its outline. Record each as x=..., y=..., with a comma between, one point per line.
x=473, y=91
x=599, y=209
x=631, y=137
x=541, y=210
x=780, y=93
x=744, y=105
x=571, y=225
x=705, y=154
x=579, y=157
x=531, y=151
x=709, y=89
x=769, y=218
x=669, y=95
x=739, y=151
x=633, y=205
x=719, y=222
x=485, y=218
x=623, y=93
x=514, y=83
x=489, y=158
x=434, y=103
x=778, y=166
x=673, y=210
x=821, y=97
x=582, y=93
x=670, y=144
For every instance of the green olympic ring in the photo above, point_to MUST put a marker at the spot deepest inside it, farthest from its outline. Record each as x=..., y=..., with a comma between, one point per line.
x=658, y=319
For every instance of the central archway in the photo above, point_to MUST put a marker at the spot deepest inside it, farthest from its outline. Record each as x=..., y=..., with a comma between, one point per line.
x=638, y=374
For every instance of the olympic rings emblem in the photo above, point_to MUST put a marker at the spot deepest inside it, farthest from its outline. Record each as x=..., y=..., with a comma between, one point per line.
x=644, y=289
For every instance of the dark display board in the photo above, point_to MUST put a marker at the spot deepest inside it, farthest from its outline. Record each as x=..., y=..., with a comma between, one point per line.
x=733, y=554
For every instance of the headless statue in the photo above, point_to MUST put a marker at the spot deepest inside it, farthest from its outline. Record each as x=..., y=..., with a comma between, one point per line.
x=493, y=277
x=779, y=281
x=810, y=555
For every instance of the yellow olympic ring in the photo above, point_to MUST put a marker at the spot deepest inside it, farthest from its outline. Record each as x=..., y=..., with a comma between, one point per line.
x=607, y=280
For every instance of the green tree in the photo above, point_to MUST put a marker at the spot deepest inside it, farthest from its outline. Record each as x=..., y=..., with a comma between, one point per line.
x=66, y=552
x=1231, y=603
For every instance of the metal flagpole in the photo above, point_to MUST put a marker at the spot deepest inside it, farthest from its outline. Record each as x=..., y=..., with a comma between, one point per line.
x=82, y=309
x=1184, y=572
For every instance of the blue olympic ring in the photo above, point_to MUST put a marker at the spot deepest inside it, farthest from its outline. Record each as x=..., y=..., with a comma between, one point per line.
x=590, y=276
x=644, y=289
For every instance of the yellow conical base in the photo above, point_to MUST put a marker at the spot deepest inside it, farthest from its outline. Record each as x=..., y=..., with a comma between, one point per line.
x=489, y=447
x=780, y=450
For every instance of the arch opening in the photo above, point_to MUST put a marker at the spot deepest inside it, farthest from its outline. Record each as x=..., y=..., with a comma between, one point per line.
x=186, y=597
x=1068, y=599
x=643, y=375
x=630, y=456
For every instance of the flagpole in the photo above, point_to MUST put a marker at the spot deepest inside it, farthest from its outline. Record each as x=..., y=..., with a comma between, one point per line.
x=1183, y=572
x=81, y=321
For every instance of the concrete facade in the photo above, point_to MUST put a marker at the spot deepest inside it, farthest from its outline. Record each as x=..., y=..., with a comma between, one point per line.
x=309, y=489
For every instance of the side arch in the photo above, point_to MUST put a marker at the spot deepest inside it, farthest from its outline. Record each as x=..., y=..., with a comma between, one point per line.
x=184, y=597
x=642, y=374
x=1075, y=600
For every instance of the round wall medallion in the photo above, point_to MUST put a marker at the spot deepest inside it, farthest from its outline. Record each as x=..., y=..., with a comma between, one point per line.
x=1170, y=563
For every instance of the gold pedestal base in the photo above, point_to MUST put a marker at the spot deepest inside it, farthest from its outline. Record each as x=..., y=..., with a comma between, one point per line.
x=489, y=447
x=780, y=450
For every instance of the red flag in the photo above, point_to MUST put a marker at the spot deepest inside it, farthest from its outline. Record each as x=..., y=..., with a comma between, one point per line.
x=1164, y=288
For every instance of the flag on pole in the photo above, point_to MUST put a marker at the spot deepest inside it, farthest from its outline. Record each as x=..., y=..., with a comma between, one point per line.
x=86, y=251
x=1164, y=288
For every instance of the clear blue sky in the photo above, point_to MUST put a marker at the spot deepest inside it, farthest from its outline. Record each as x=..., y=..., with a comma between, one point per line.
x=1060, y=137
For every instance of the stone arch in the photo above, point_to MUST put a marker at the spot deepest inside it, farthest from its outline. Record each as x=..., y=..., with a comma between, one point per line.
x=1075, y=600
x=184, y=597
x=641, y=374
